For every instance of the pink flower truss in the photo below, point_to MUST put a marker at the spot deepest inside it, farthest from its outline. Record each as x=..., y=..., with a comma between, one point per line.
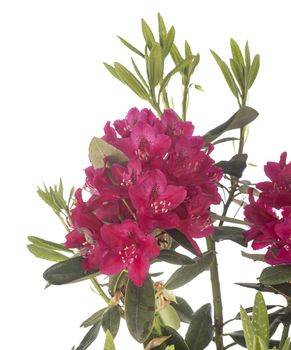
x=270, y=215
x=169, y=182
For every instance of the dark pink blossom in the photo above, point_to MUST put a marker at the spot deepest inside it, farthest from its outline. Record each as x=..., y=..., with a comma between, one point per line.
x=123, y=246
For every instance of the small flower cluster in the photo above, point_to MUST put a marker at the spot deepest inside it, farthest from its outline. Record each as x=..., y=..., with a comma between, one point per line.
x=168, y=182
x=270, y=215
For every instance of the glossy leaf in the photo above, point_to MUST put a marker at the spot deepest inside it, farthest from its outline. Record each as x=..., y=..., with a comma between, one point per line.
x=241, y=118
x=130, y=47
x=255, y=66
x=248, y=328
x=276, y=274
x=172, y=257
x=188, y=272
x=130, y=80
x=68, y=271
x=47, y=244
x=226, y=73
x=260, y=318
x=99, y=149
x=111, y=320
x=109, y=343
x=183, y=309
x=90, y=337
x=140, y=309
x=93, y=319
x=200, y=331
x=232, y=233
x=155, y=65
x=147, y=34
x=46, y=254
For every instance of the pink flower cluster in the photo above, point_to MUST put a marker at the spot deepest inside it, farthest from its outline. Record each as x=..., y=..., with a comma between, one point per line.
x=270, y=215
x=169, y=182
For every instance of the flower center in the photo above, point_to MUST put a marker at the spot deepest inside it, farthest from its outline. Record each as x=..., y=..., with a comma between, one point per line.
x=143, y=149
x=160, y=206
x=128, y=254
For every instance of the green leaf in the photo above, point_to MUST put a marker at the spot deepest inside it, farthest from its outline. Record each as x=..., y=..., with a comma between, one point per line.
x=241, y=118
x=130, y=47
x=188, y=272
x=171, y=347
x=147, y=34
x=109, y=343
x=99, y=149
x=182, y=240
x=199, y=87
x=200, y=331
x=238, y=73
x=226, y=73
x=238, y=337
x=169, y=41
x=254, y=257
x=67, y=272
x=276, y=274
x=176, y=339
x=247, y=58
x=259, y=344
x=155, y=65
x=254, y=70
x=46, y=254
x=188, y=51
x=117, y=281
x=172, y=257
x=48, y=244
x=93, y=319
x=162, y=30
x=236, y=53
x=140, y=309
x=225, y=139
x=169, y=317
x=260, y=318
x=235, y=166
x=130, y=80
x=111, y=320
x=286, y=345
x=183, y=309
x=232, y=233
x=176, y=56
x=112, y=71
x=139, y=73
x=248, y=328
x=90, y=337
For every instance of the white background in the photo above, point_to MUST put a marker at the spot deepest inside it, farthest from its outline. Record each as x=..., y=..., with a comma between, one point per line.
x=55, y=95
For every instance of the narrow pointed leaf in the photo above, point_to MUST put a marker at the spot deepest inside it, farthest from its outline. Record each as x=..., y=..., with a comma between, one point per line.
x=67, y=272
x=109, y=343
x=169, y=41
x=48, y=244
x=188, y=272
x=142, y=79
x=90, y=337
x=155, y=65
x=255, y=66
x=200, y=331
x=130, y=80
x=286, y=345
x=226, y=73
x=175, y=54
x=254, y=257
x=238, y=73
x=130, y=47
x=276, y=274
x=99, y=149
x=241, y=118
x=232, y=233
x=147, y=34
x=112, y=71
x=175, y=339
x=162, y=30
x=172, y=257
x=46, y=254
x=236, y=52
x=93, y=319
x=238, y=337
x=260, y=318
x=259, y=344
x=182, y=240
x=140, y=309
x=111, y=320
x=248, y=328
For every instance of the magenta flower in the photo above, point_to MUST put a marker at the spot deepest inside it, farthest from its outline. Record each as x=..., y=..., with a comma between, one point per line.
x=123, y=246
